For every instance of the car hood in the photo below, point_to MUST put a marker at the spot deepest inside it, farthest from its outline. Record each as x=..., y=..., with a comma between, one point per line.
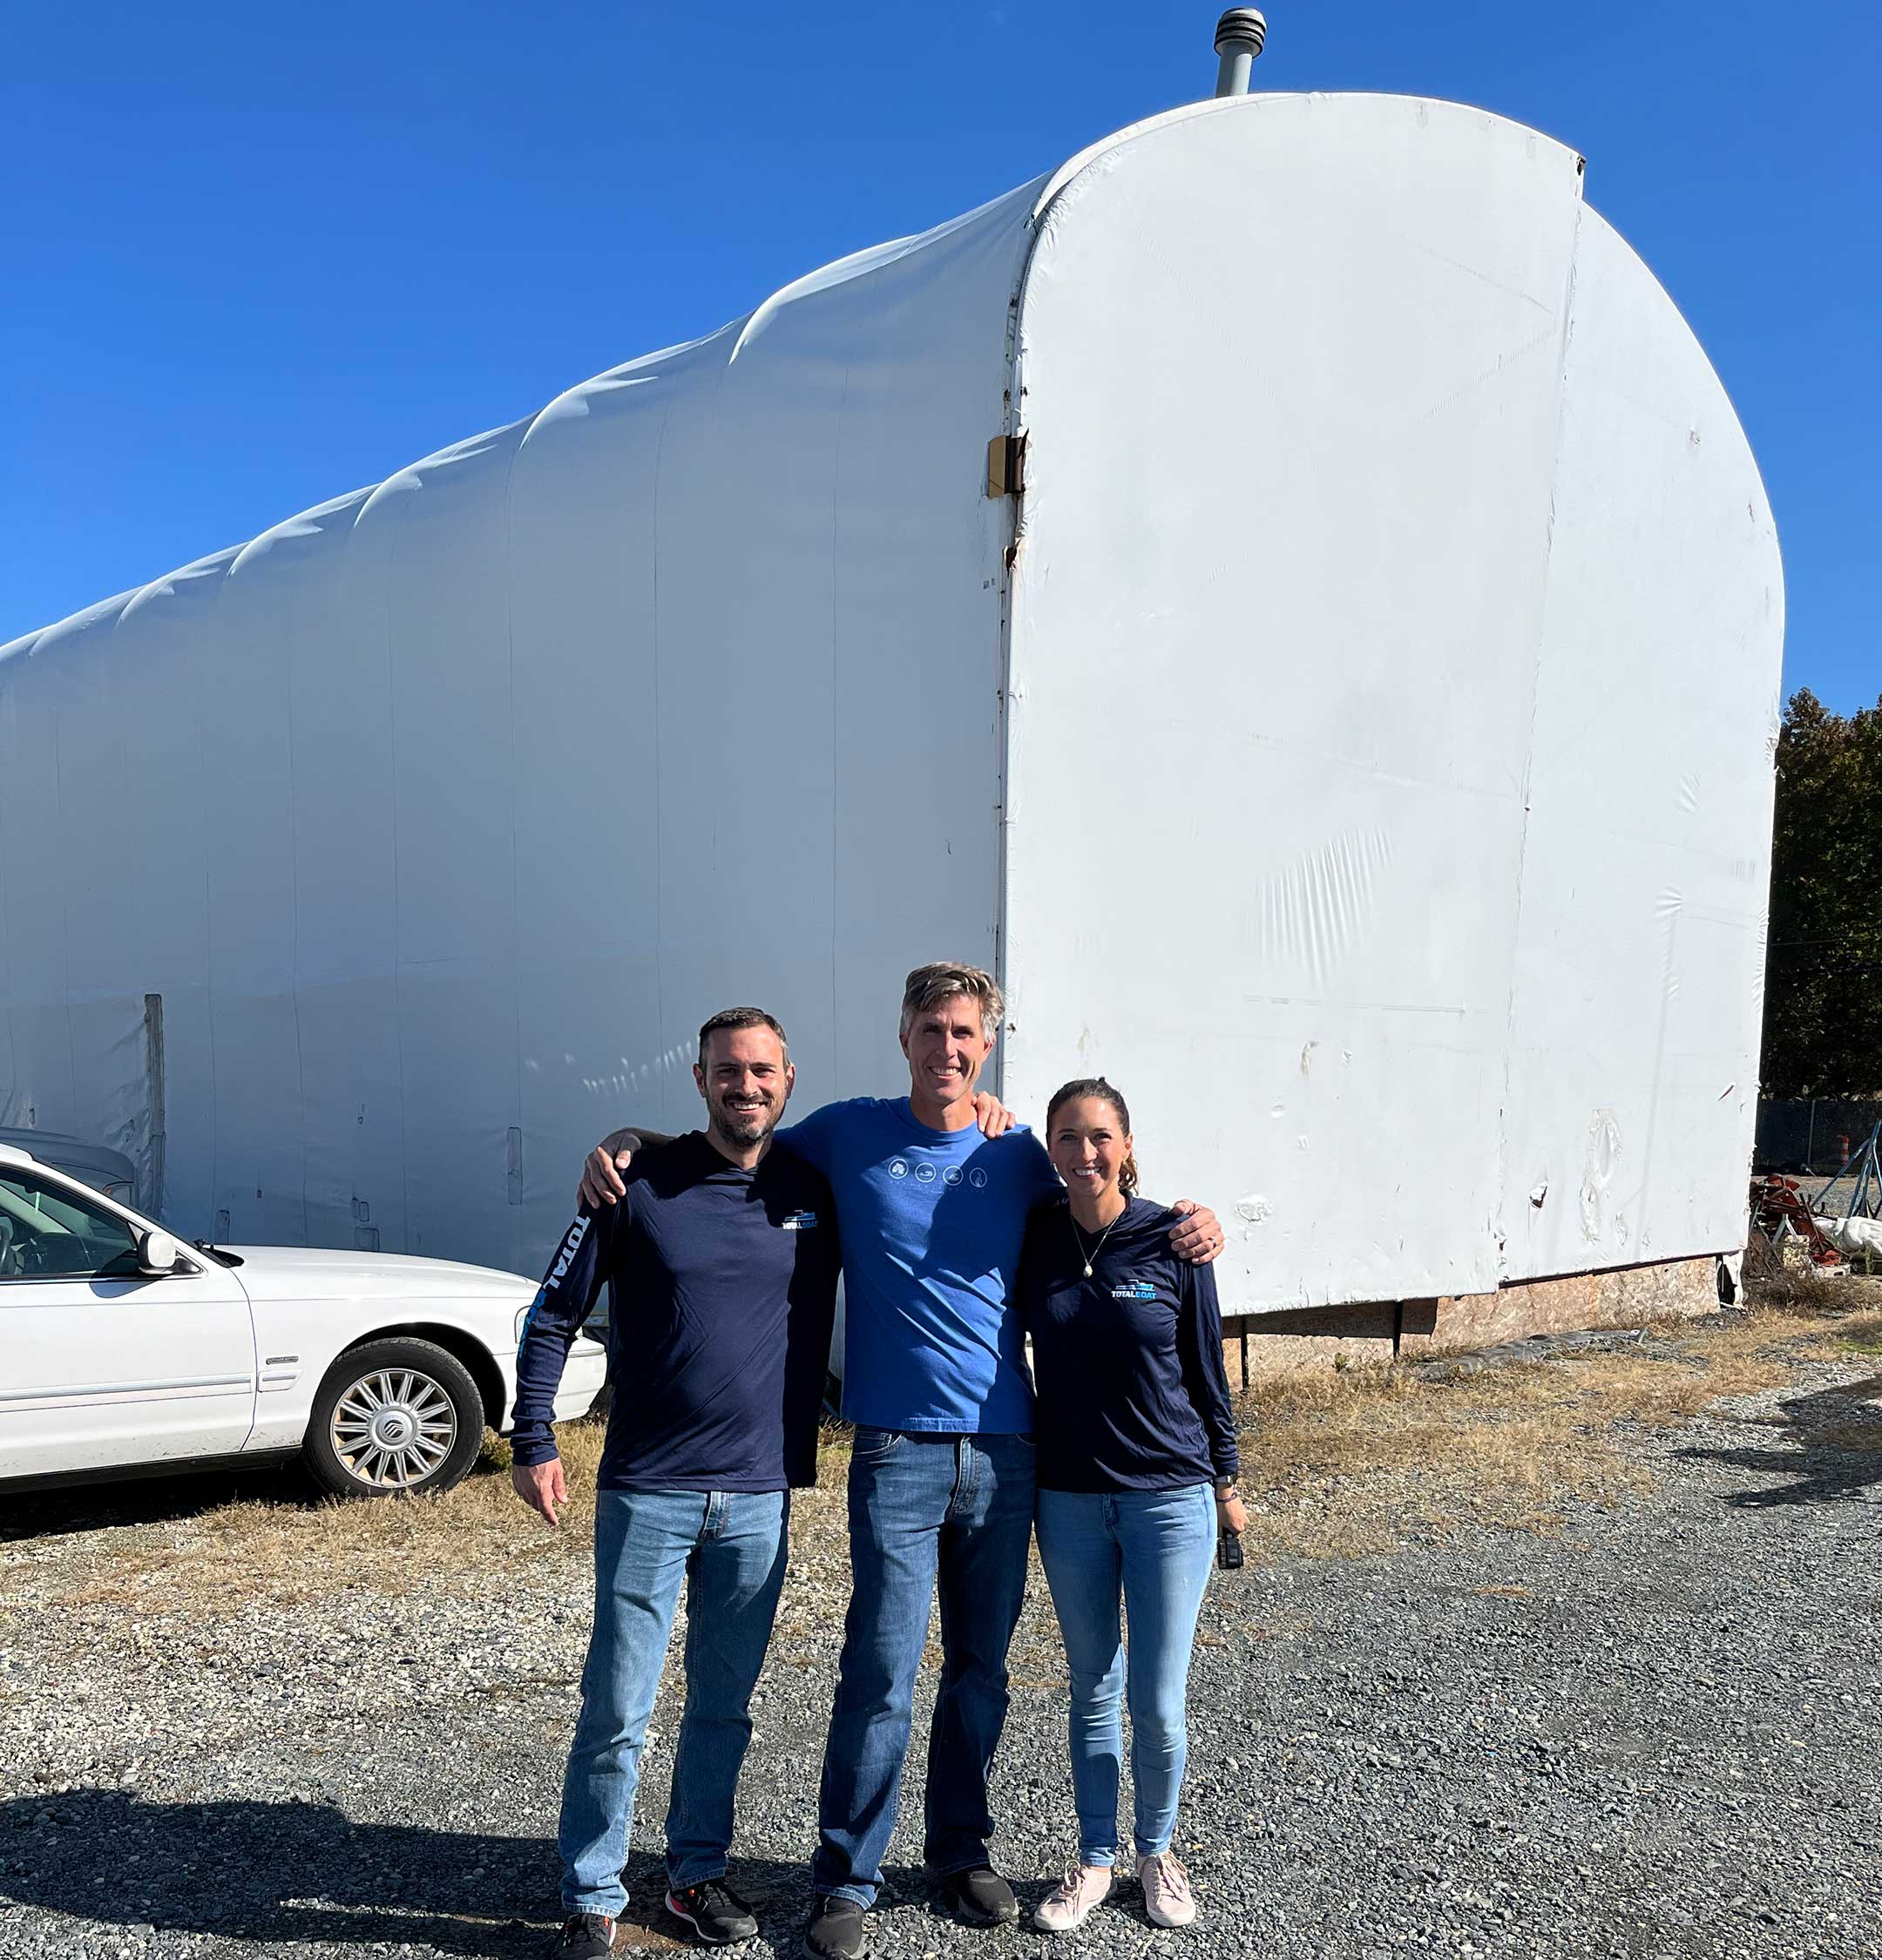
x=312, y=1272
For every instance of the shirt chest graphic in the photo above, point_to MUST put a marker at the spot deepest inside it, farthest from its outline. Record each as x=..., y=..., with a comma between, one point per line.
x=1122, y=1303
x=923, y=1171
x=702, y=1244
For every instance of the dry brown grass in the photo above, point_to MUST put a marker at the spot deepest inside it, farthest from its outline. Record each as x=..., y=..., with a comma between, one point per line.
x=1335, y=1465
x=1802, y=1289
x=286, y=1552
x=1345, y=1464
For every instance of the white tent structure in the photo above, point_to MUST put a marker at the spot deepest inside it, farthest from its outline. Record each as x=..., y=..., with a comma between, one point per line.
x=1355, y=737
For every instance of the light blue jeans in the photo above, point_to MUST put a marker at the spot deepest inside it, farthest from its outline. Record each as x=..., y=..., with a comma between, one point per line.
x=1151, y=1548
x=730, y=1547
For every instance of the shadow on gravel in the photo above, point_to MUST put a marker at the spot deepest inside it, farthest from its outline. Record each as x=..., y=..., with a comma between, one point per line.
x=1833, y=1448
x=302, y=1874
x=170, y=1498
x=148, y=1500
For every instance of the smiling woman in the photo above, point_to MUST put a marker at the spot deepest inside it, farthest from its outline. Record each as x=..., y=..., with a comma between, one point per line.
x=1137, y=1462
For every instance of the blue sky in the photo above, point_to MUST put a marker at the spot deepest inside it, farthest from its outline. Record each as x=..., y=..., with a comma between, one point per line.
x=256, y=257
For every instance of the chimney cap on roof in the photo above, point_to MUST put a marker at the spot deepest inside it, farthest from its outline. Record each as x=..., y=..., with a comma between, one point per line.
x=1241, y=23
x=1239, y=35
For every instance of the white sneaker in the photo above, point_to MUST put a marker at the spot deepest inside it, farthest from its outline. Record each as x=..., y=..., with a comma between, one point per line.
x=1167, y=1899
x=1072, y=1898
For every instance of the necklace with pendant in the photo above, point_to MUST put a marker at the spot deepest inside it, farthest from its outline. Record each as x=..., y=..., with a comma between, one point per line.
x=1089, y=1256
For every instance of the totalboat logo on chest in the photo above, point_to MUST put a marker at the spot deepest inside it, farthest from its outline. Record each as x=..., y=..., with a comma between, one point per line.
x=799, y=1221
x=1138, y=1290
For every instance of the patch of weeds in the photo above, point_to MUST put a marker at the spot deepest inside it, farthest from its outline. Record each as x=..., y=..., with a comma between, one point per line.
x=1800, y=1290
x=1864, y=1333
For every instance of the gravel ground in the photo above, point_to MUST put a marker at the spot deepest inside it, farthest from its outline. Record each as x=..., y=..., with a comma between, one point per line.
x=1657, y=1735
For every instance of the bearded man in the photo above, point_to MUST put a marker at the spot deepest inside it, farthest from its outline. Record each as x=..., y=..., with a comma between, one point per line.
x=723, y=1259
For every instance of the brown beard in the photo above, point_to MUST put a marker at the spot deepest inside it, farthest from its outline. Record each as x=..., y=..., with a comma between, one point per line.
x=721, y=1119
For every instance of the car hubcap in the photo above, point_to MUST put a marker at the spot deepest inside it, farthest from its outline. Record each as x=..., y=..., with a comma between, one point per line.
x=393, y=1427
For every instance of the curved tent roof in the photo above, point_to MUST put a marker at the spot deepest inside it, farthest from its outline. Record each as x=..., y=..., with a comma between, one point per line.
x=1390, y=556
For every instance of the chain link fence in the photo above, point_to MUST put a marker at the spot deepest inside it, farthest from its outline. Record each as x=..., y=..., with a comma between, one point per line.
x=1817, y=1136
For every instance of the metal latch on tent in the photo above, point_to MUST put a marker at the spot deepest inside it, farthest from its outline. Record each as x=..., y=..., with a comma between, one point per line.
x=1005, y=466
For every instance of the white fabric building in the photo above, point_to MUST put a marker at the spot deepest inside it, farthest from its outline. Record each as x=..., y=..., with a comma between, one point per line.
x=1356, y=740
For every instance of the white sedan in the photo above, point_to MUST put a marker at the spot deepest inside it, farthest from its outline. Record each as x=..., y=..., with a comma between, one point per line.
x=122, y=1350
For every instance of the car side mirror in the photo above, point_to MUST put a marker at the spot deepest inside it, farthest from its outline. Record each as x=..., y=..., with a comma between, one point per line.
x=158, y=1252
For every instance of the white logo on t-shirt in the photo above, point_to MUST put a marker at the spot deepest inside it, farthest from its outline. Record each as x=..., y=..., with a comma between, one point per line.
x=897, y=1168
x=952, y=1175
x=977, y=1178
x=925, y=1174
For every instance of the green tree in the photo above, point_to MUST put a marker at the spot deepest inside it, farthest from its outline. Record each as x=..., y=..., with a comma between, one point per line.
x=1823, y=975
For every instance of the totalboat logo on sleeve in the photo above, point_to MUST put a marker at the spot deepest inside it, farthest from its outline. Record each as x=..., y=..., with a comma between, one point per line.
x=799, y=1221
x=1138, y=1290
x=570, y=1246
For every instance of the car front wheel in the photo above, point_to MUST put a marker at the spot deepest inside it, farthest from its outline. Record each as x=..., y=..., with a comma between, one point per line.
x=394, y=1418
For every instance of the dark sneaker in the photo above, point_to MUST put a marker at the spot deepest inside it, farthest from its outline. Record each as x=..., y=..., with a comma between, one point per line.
x=834, y=1931
x=979, y=1896
x=714, y=1910
x=585, y=1936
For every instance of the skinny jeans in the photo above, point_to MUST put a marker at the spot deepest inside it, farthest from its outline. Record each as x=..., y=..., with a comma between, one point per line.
x=1151, y=1550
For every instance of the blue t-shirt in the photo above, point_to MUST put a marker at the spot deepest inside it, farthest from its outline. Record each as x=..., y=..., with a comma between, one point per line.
x=932, y=1224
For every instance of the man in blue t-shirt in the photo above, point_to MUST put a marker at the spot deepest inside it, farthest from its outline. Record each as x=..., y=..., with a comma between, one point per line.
x=932, y=1213
x=722, y=1258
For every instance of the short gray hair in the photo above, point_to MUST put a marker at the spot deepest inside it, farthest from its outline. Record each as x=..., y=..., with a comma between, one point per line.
x=928, y=986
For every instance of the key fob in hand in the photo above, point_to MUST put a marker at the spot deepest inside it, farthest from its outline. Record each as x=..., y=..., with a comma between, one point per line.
x=1228, y=1550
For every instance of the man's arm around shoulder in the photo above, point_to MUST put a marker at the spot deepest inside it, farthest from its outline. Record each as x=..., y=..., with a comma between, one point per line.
x=605, y=1173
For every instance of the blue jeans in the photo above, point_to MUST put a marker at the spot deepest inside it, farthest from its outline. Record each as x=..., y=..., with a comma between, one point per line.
x=955, y=1508
x=1155, y=1548
x=730, y=1547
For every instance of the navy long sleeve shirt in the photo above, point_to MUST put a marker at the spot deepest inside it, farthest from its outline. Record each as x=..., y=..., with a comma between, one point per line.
x=1127, y=1364
x=724, y=1285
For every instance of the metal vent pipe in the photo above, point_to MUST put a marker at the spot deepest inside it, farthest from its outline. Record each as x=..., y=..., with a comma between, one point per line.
x=1239, y=35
